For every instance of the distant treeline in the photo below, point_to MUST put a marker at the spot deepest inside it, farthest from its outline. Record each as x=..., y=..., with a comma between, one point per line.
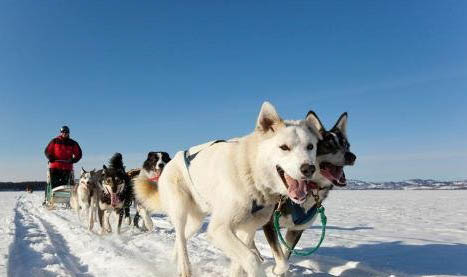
x=34, y=185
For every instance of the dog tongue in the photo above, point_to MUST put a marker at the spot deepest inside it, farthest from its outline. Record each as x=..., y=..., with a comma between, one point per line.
x=114, y=200
x=157, y=174
x=298, y=189
x=154, y=179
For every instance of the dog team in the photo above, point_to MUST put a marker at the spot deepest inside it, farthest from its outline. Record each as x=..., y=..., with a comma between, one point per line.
x=237, y=182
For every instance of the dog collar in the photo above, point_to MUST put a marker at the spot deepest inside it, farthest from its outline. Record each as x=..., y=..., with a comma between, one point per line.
x=154, y=179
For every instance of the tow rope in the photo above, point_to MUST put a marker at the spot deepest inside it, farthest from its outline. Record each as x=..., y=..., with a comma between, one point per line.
x=320, y=209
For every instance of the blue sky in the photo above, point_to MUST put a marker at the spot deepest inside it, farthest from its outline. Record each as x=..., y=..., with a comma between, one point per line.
x=162, y=75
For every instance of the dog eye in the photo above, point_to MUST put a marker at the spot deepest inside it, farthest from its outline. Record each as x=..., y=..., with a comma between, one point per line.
x=310, y=147
x=284, y=147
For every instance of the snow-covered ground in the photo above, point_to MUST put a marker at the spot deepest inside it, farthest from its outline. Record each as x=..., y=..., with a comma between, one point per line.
x=370, y=233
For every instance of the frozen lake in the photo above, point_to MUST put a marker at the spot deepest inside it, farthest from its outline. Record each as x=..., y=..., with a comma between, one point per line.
x=370, y=233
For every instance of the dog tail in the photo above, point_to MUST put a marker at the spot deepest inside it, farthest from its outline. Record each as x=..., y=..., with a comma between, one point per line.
x=147, y=193
x=116, y=162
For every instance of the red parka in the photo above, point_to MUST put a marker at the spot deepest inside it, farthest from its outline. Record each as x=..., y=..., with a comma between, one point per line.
x=63, y=149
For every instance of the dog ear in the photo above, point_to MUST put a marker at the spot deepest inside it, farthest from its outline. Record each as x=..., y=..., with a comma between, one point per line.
x=341, y=124
x=268, y=119
x=313, y=119
x=82, y=171
x=314, y=125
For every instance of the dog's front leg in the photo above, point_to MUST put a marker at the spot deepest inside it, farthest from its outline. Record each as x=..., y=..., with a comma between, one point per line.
x=127, y=215
x=291, y=237
x=147, y=220
x=239, y=252
x=90, y=218
x=92, y=214
x=281, y=261
x=247, y=237
x=107, y=226
x=120, y=219
x=100, y=215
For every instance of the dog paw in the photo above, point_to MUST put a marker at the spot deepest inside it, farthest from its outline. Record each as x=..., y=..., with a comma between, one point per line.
x=280, y=268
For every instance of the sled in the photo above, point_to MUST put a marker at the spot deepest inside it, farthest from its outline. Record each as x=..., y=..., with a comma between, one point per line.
x=59, y=195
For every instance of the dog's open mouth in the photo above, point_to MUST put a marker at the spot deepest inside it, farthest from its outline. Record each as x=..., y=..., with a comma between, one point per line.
x=333, y=173
x=157, y=174
x=297, y=190
x=114, y=200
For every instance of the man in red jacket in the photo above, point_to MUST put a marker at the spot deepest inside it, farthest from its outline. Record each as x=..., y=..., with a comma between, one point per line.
x=62, y=153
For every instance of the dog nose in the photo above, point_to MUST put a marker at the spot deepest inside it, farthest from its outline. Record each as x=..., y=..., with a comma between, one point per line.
x=307, y=169
x=161, y=166
x=349, y=158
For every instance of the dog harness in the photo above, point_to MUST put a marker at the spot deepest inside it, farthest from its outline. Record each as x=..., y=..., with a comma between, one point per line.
x=299, y=216
x=189, y=158
x=255, y=207
x=319, y=208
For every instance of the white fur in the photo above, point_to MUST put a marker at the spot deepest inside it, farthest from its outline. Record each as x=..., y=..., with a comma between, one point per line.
x=224, y=179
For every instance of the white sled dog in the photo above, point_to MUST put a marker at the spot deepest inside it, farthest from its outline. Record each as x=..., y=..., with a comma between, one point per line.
x=84, y=196
x=238, y=182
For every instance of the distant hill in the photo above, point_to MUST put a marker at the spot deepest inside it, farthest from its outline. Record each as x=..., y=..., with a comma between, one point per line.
x=413, y=184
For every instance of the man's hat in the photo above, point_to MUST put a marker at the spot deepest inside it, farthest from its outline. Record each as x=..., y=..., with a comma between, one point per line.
x=64, y=129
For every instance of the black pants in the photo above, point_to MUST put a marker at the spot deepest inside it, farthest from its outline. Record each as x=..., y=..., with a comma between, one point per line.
x=58, y=177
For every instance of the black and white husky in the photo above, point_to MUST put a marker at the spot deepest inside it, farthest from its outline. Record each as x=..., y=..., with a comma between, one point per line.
x=151, y=171
x=333, y=154
x=115, y=194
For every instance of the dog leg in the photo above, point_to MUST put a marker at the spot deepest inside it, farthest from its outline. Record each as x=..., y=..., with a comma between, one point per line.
x=100, y=215
x=247, y=238
x=223, y=237
x=281, y=261
x=292, y=238
x=136, y=219
x=127, y=215
x=177, y=212
x=194, y=221
x=180, y=244
x=90, y=218
x=78, y=212
x=108, y=228
x=120, y=213
x=256, y=251
x=93, y=208
x=147, y=220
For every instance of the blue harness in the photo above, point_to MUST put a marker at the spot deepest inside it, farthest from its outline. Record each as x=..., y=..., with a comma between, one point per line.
x=299, y=216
